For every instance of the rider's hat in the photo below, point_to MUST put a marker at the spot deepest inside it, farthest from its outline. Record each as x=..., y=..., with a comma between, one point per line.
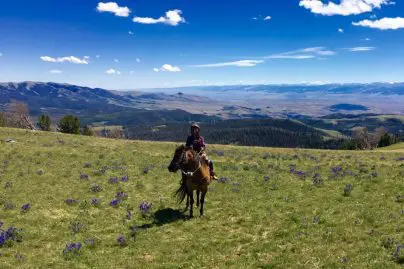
x=195, y=125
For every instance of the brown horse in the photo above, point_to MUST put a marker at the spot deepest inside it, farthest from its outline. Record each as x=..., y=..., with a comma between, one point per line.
x=195, y=176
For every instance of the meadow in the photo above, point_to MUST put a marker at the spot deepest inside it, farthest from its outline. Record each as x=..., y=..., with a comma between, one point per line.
x=69, y=201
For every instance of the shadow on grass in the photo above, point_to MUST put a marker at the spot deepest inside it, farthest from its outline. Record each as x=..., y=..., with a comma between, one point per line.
x=164, y=216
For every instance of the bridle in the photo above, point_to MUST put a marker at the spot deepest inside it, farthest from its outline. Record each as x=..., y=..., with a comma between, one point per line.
x=184, y=159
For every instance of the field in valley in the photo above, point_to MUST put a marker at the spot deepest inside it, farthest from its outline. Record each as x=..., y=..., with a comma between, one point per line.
x=272, y=207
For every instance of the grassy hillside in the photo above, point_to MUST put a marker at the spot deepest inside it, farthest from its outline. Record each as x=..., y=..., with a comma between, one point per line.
x=265, y=213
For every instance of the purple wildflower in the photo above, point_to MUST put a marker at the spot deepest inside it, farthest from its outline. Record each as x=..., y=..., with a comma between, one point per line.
x=145, y=170
x=71, y=201
x=95, y=201
x=96, y=188
x=145, y=207
x=121, y=195
x=317, y=180
x=90, y=242
x=400, y=159
x=73, y=248
x=124, y=178
x=83, y=176
x=374, y=174
x=113, y=180
x=223, y=180
x=121, y=241
x=115, y=203
x=398, y=254
x=25, y=208
x=266, y=178
x=347, y=189
x=316, y=219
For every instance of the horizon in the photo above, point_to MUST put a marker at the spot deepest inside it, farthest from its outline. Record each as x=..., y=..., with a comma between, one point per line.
x=153, y=45
x=217, y=85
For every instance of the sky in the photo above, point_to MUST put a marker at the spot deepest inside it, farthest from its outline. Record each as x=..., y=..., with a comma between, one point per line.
x=135, y=44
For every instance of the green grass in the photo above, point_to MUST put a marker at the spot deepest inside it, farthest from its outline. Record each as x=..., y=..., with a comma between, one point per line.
x=250, y=222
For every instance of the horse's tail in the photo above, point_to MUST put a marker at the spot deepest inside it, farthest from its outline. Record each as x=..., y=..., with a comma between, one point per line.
x=181, y=193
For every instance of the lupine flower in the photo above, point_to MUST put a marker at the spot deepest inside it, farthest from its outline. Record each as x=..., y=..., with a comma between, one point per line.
x=398, y=254
x=316, y=219
x=71, y=201
x=76, y=227
x=223, y=180
x=96, y=188
x=25, y=208
x=83, y=176
x=124, y=178
x=347, y=189
x=121, y=195
x=145, y=170
x=115, y=203
x=145, y=207
x=266, y=178
x=400, y=159
x=95, y=201
x=113, y=180
x=300, y=173
x=374, y=174
x=121, y=241
x=73, y=248
x=317, y=180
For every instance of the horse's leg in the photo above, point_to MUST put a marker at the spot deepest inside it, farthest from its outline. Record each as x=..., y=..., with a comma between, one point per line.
x=187, y=204
x=202, y=201
x=198, y=192
x=191, y=205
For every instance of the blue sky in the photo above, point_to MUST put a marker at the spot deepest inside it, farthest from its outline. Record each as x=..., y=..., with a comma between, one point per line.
x=130, y=44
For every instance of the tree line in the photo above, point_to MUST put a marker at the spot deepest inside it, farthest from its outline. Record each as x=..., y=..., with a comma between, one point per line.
x=17, y=116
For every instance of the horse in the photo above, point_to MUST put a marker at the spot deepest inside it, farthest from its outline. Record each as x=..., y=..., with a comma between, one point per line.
x=195, y=176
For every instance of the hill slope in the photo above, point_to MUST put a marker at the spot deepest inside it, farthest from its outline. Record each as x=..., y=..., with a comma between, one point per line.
x=266, y=214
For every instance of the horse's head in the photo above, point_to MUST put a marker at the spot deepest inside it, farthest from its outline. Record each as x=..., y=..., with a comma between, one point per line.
x=179, y=159
x=182, y=157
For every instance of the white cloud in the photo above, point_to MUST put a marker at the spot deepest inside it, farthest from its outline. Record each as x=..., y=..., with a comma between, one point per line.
x=344, y=8
x=97, y=56
x=116, y=60
x=55, y=71
x=260, y=17
x=267, y=18
x=130, y=32
x=340, y=30
x=295, y=57
x=1, y=54
x=68, y=59
x=131, y=72
x=138, y=60
x=360, y=49
x=302, y=54
x=167, y=68
x=173, y=18
x=367, y=39
x=112, y=72
x=382, y=24
x=242, y=63
x=113, y=7
x=254, y=18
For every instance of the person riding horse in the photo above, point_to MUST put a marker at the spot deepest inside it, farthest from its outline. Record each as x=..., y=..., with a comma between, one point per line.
x=197, y=143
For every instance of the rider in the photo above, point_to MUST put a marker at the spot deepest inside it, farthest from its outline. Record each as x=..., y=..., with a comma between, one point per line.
x=196, y=141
